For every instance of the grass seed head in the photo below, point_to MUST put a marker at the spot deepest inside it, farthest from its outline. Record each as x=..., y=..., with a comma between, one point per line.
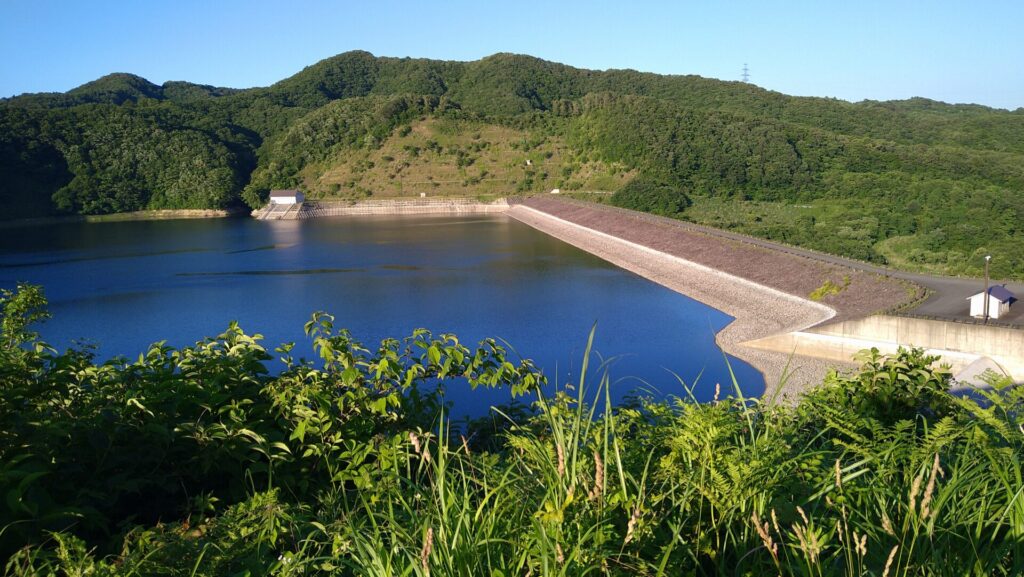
x=631, y=526
x=887, y=524
x=595, y=491
x=809, y=543
x=422, y=450
x=428, y=546
x=766, y=538
x=915, y=490
x=929, y=491
x=561, y=459
x=888, y=563
x=861, y=544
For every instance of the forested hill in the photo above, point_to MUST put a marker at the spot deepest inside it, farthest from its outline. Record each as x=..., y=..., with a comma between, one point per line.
x=916, y=183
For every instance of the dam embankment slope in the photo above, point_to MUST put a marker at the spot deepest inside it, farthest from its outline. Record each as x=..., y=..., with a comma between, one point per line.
x=767, y=292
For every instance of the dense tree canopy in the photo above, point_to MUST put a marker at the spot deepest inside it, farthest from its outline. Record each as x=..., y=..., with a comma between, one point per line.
x=917, y=183
x=651, y=196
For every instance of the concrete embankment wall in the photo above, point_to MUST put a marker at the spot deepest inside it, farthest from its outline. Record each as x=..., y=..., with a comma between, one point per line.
x=395, y=207
x=959, y=344
x=757, y=310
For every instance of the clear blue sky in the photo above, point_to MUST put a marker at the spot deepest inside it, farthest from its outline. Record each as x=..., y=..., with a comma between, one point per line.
x=964, y=51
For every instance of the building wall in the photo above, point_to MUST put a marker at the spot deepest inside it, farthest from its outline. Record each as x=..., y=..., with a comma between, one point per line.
x=977, y=306
x=995, y=308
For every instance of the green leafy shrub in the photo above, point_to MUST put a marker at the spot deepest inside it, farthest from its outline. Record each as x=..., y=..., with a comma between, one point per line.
x=198, y=462
x=829, y=288
x=651, y=196
x=96, y=445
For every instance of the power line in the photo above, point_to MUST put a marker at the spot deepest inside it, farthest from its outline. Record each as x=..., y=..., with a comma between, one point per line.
x=746, y=73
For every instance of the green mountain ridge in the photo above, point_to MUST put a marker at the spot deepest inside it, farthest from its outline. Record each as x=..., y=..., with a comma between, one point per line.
x=119, y=88
x=918, y=183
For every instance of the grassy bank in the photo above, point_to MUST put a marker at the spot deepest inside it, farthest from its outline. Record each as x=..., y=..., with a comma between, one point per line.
x=165, y=215
x=200, y=462
x=125, y=216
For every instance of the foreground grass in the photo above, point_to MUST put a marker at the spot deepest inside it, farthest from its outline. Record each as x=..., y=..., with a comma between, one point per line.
x=198, y=462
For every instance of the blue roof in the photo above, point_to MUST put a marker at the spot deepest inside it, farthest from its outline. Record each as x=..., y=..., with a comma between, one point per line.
x=1001, y=293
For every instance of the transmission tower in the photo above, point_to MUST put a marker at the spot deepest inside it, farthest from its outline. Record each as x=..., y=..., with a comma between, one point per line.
x=746, y=73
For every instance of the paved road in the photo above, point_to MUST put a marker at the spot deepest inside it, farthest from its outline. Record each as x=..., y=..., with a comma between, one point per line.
x=948, y=299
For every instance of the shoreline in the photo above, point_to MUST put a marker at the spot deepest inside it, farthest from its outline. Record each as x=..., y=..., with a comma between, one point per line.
x=758, y=311
x=162, y=214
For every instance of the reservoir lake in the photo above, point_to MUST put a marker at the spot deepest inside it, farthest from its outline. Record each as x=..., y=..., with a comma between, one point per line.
x=121, y=285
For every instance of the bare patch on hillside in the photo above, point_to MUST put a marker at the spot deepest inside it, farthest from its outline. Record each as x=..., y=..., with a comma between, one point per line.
x=450, y=157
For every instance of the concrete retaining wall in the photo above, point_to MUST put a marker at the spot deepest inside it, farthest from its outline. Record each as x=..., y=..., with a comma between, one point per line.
x=959, y=344
x=403, y=206
x=975, y=338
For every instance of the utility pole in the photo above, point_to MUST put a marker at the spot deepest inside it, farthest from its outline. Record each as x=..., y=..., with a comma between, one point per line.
x=746, y=73
x=987, y=258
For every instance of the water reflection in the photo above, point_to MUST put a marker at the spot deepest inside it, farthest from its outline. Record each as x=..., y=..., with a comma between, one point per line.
x=124, y=285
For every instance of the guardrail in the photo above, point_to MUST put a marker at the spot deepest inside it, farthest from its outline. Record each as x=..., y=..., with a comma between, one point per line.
x=964, y=321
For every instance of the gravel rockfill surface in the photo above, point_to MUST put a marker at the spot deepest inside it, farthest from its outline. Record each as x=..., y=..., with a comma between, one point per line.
x=760, y=289
x=864, y=292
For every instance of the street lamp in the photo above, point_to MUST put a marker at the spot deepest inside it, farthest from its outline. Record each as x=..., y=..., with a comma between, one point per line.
x=987, y=258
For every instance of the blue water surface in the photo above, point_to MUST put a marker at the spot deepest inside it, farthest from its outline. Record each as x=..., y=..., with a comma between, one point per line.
x=123, y=285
